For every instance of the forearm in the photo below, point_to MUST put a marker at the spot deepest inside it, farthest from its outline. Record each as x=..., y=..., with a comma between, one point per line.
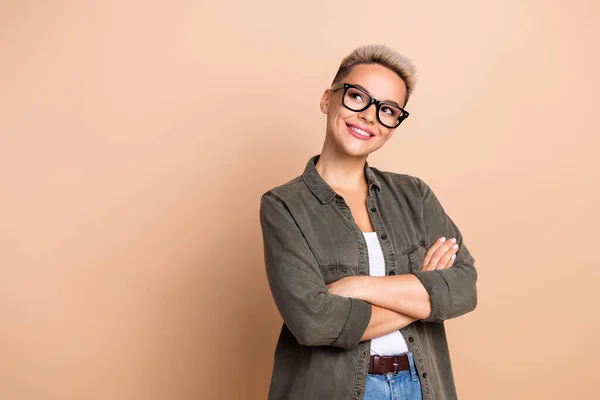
x=384, y=321
x=404, y=294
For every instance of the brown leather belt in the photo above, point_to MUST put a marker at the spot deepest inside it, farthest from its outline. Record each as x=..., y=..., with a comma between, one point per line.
x=384, y=364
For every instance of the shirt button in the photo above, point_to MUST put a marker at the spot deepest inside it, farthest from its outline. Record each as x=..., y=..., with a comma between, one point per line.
x=424, y=374
x=392, y=273
x=411, y=339
x=374, y=209
x=384, y=236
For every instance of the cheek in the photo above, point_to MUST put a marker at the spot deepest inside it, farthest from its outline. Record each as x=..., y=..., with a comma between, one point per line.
x=341, y=116
x=344, y=113
x=336, y=118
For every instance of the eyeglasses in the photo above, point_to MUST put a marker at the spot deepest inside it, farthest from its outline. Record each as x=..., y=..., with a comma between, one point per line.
x=357, y=99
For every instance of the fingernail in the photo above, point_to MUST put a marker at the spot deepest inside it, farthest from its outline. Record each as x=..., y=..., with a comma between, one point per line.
x=455, y=246
x=442, y=239
x=453, y=240
x=453, y=256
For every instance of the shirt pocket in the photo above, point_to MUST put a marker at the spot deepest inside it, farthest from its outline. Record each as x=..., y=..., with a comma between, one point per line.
x=411, y=258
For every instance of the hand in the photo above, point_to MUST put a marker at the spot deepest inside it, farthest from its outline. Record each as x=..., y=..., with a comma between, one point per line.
x=441, y=255
x=347, y=286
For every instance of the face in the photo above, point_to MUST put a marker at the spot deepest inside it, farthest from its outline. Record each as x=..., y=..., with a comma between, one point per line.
x=382, y=84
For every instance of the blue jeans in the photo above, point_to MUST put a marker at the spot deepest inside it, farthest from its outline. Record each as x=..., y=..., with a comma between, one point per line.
x=405, y=385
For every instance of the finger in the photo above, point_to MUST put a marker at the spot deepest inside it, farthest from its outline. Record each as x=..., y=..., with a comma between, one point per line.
x=451, y=260
x=441, y=252
x=447, y=259
x=438, y=243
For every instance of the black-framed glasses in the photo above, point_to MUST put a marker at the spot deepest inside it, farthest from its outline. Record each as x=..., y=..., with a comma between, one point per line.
x=357, y=99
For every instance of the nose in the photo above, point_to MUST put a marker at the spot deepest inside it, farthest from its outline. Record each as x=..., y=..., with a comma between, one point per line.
x=369, y=113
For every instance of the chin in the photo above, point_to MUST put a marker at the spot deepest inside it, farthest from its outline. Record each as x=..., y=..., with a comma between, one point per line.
x=355, y=151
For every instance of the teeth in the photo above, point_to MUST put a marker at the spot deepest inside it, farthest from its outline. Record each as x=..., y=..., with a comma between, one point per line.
x=360, y=131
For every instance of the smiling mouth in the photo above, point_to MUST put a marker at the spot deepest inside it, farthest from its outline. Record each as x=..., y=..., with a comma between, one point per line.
x=359, y=131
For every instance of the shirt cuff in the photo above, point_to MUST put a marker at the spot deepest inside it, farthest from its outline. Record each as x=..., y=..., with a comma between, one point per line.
x=439, y=294
x=356, y=324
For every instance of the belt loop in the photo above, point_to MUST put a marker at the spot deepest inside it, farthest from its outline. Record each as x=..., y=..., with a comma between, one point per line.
x=395, y=364
x=413, y=370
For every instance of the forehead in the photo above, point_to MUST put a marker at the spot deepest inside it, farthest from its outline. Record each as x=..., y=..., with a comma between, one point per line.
x=381, y=82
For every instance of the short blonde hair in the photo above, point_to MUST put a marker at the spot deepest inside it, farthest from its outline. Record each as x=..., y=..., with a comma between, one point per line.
x=384, y=56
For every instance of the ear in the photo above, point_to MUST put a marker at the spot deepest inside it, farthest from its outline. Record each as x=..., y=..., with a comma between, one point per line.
x=325, y=101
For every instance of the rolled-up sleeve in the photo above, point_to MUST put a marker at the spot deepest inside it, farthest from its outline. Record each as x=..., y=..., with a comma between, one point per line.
x=452, y=291
x=313, y=315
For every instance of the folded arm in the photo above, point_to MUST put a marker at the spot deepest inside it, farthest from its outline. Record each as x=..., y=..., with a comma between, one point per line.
x=313, y=315
x=384, y=321
x=428, y=295
x=452, y=291
x=404, y=294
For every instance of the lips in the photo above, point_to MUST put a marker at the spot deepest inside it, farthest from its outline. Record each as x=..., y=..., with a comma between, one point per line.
x=358, y=131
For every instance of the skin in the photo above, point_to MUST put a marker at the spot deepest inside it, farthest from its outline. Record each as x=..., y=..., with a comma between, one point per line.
x=397, y=300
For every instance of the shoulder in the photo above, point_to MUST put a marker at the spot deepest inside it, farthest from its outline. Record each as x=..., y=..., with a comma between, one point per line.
x=288, y=190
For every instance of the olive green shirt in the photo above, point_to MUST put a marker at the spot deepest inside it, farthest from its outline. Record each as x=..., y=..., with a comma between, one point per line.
x=311, y=239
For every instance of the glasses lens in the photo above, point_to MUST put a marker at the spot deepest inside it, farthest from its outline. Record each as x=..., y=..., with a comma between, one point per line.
x=389, y=115
x=355, y=99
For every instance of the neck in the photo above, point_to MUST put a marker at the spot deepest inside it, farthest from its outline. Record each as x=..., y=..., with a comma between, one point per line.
x=342, y=171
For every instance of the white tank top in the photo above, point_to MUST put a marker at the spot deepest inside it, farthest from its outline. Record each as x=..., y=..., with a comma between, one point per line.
x=392, y=343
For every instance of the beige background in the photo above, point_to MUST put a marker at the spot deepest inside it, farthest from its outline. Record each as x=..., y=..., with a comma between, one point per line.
x=137, y=138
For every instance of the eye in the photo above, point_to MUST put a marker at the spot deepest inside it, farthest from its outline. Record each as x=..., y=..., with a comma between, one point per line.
x=356, y=96
x=387, y=110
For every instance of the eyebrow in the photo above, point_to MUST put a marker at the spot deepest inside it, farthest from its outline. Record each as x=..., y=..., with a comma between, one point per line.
x=387, y=101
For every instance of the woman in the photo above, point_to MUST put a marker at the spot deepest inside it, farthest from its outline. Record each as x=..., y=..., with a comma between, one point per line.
x=364, y=265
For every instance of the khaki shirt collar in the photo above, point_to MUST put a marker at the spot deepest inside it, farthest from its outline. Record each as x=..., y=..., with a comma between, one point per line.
x=321, y=189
